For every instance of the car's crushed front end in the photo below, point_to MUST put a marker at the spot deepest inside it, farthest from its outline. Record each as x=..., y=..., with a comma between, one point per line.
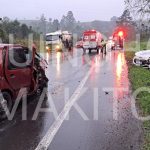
x=142, y=58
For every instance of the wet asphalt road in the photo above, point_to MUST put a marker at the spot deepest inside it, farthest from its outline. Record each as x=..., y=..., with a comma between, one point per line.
x=112, y=130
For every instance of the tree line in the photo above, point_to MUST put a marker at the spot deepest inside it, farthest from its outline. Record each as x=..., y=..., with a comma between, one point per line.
x=22, y=28
x=68, y=22
x=18, y=30
x=140, y=10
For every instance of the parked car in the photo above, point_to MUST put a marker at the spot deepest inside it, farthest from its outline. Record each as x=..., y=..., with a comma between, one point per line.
x=18, y=69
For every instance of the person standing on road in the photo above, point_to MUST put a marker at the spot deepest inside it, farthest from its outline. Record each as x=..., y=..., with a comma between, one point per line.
x=67, y=43
x=103, y=49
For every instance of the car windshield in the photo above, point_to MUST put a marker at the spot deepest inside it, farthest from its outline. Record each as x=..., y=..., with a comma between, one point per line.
x=86, y=37
x=90, y=37
x=52, y=37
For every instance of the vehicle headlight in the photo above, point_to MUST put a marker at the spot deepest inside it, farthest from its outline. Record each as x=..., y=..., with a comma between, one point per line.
x=57, y=47
x=47, y=47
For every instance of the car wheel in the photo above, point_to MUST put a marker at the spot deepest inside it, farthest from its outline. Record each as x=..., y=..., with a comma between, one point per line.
x=90, y=51
x=97, y=50
x=5, y=105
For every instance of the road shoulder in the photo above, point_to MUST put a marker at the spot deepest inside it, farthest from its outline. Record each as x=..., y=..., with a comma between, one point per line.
x=140, y=77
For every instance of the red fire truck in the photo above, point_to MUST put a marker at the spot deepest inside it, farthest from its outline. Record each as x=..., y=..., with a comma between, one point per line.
x=118, y=39
x=92, y=40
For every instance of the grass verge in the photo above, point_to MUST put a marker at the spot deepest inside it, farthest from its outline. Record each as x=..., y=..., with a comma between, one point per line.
x=140, y=77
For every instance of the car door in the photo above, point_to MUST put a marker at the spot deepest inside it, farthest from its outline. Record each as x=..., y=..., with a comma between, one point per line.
x=17, y=71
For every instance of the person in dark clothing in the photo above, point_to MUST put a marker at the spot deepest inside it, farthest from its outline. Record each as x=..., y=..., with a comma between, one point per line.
x=67, y=43
x=103, y=50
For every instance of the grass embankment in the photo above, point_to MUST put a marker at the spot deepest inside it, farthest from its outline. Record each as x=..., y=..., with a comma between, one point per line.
x=140, y=77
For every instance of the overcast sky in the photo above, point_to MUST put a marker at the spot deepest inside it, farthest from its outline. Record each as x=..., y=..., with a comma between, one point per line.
x=84, y=10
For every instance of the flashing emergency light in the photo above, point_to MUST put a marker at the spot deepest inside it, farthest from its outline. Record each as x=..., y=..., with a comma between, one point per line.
x=120, y=33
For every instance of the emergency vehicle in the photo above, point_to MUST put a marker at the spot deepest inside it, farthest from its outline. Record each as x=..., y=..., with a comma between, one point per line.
x=92, y=40
x=118, y=39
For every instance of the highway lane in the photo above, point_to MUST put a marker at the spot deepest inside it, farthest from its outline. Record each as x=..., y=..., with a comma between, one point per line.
x=100, y=120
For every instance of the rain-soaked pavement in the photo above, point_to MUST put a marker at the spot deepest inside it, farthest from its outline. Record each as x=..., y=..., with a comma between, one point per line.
x=103, y=119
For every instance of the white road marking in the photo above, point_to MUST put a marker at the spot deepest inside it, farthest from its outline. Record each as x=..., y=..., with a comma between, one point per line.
x=48, y=138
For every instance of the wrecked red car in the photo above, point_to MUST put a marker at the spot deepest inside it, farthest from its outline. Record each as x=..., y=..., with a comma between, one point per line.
x=18, y=69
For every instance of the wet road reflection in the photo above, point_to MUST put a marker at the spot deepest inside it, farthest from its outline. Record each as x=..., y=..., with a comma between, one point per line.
x=59, y=58
x=109, y=71
x=120, y=70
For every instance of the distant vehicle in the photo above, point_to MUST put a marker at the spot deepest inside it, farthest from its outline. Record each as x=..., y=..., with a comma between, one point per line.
x=118, y=39
x=111, y=43
x=58, y=40
x=92, y=40
x=16, y=73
